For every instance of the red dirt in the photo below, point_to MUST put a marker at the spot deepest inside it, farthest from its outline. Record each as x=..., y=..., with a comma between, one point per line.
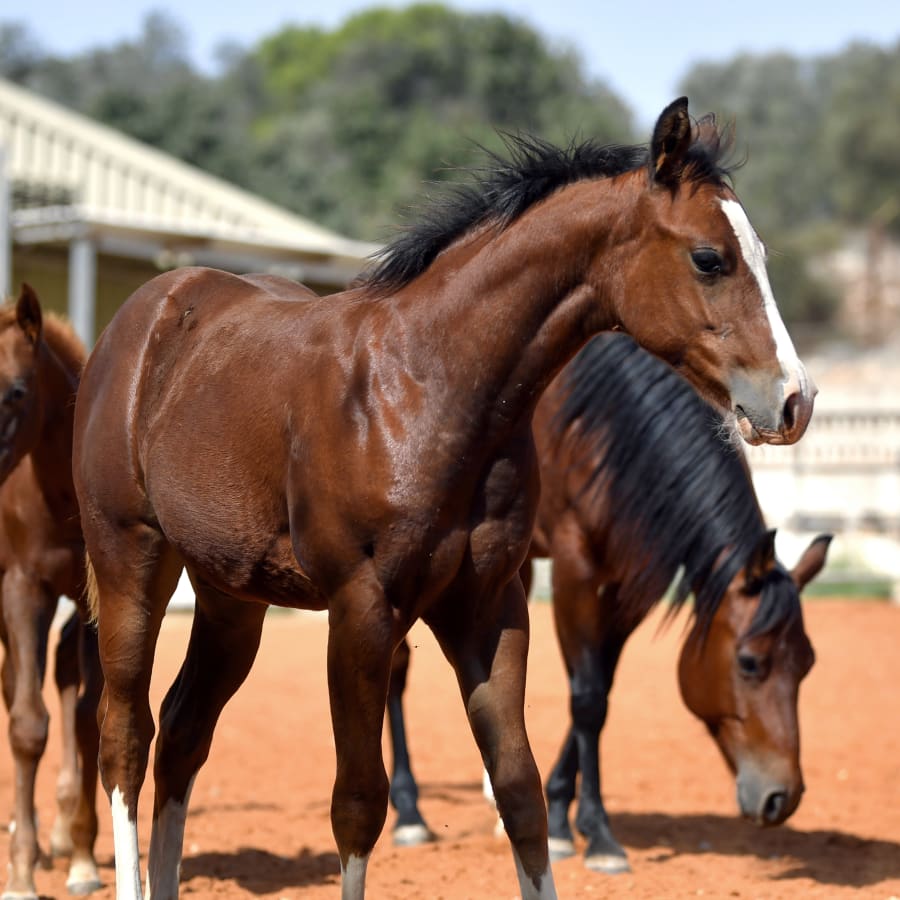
x=259, y=819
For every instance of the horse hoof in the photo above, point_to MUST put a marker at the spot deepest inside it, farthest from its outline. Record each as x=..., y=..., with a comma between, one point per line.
x=83, y=879
x=412, y=835
x=83, y=888
x=19, y=895
x=560, y=848
x=608, y=863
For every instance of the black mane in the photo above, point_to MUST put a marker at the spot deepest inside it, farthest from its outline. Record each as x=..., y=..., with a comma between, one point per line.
x=682, y=504
x=503, y=189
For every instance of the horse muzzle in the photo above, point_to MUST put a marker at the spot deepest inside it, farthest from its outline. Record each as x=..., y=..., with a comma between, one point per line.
x=765, y=801
x=782, y=420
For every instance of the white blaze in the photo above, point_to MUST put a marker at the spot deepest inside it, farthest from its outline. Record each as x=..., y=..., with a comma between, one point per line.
x=755, y=257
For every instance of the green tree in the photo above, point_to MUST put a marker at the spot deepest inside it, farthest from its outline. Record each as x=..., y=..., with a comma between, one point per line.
x=861, y=135
x=353, y=121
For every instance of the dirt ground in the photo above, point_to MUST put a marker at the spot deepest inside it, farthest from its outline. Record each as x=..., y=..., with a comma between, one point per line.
x=259, y=824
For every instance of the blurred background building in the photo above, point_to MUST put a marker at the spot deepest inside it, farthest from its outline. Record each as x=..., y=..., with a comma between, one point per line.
x=91, y=214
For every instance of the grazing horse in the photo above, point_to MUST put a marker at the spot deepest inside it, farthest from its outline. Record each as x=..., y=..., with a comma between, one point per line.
x=370, y=453
x=41, y=559
x=641, y=491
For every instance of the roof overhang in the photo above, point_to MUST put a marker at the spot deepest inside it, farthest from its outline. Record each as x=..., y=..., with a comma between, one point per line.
x=168, y=246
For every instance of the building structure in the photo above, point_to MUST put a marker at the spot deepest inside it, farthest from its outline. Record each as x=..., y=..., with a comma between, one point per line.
x=88, y=214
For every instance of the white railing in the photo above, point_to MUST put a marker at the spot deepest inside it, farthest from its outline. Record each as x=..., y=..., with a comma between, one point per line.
x=843, y=477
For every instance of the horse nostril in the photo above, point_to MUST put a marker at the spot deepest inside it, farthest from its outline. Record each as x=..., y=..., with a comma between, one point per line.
x=774, y=807
x=790, y=411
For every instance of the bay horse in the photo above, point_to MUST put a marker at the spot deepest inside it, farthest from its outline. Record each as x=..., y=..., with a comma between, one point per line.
x=370, y=453
x=641, y=492
x=42, y=559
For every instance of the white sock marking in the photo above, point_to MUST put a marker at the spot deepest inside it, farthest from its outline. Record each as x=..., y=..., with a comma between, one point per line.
x=125, y=841
x=353, y=878
x=547, y=890
x=166, y=847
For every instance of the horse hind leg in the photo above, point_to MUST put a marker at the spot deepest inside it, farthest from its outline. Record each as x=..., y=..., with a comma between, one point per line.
x=134, y=575
x=67, y=678
x=410, y=829
x=84, y=877
x=224, y=640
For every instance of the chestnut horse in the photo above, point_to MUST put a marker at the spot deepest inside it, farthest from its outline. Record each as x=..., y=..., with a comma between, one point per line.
x=641, y=491
x=41, y=559
x=370, y=453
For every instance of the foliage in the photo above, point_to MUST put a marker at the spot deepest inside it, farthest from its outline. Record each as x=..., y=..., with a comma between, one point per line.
x=821, y=134
x=357, y=119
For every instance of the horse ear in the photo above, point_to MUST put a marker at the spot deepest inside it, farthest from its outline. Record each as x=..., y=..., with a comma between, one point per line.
x=670, y=142
x=707, y=133
x=28, y=313
x=763, y=556
x=811, y=562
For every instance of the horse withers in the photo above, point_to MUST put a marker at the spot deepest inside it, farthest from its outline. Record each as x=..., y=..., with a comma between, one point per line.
x=42, y=559
x=370, y=453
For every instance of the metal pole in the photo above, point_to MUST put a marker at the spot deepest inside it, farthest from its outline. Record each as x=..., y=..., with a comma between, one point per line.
x=83, y=288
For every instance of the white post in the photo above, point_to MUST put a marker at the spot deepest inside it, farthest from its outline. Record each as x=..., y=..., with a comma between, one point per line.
x=83, y=288
x=5, y=230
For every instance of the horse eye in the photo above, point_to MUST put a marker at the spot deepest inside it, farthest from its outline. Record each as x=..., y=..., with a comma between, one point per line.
x=751, y=666
x=14, y=393
x=752, y=586
x=707, y=261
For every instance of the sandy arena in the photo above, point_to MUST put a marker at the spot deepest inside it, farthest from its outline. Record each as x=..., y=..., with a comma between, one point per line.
x=259, y=823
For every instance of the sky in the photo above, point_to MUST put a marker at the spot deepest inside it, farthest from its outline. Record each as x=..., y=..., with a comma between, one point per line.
x=640, y=48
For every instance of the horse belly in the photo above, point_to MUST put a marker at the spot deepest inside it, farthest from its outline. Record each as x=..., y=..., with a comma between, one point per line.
x=240, y=545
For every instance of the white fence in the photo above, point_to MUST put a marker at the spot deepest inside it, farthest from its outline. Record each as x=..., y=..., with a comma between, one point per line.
x=843, y=477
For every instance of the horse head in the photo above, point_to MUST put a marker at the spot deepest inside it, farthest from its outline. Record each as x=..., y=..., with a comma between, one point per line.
x=20, y=339
x=742, y=678
x=718, y=324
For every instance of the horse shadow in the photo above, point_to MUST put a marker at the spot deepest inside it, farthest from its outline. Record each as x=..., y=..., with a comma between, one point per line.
x=825, y=856
x=261, y=872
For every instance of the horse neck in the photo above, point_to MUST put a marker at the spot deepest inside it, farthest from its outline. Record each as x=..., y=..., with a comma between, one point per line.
x=515, y=306
x=51, y=454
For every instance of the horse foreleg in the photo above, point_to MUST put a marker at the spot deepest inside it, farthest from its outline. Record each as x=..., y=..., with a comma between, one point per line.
x=488, y=651
x=27, y=612
x=560, y=794
x=590, y=680
x=361, y=641
x=84, y=876
x=224, y=640
x=67, y=678
x=410, y=829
